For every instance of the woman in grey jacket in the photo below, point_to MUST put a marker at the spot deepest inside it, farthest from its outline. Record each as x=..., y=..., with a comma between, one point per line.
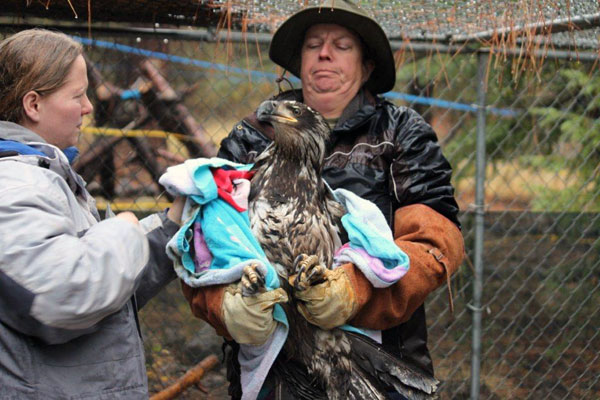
x=70, y=284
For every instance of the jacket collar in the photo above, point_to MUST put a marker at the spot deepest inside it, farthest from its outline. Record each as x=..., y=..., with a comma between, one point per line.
x=32, y=143
x=18, y=133
x=54, y=158
x=358, y=111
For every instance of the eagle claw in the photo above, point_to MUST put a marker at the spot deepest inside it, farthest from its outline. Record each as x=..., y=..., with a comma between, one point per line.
x=253, y=281
x=309, y=271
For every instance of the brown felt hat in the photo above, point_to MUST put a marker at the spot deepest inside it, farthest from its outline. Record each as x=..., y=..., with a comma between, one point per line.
x=286, y=42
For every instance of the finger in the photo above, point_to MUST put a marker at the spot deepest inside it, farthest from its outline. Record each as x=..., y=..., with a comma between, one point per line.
x=272, y=297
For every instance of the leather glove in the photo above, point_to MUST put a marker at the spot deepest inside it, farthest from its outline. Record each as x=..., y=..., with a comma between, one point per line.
x=249, y=320
x=328, y=304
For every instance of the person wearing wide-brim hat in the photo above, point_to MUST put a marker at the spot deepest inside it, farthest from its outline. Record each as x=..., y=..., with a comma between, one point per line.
x=381, y=152
x=286, y=42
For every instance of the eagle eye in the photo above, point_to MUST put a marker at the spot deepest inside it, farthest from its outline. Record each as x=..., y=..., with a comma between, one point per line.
x=297, y=111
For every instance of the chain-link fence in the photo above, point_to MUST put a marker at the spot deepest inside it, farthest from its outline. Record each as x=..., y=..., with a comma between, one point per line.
x=522, y=134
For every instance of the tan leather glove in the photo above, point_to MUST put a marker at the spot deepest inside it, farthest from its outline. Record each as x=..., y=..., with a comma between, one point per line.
x=328, y=304
x=249, y=320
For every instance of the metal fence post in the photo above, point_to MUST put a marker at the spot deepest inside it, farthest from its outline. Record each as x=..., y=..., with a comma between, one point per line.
x=479, y=225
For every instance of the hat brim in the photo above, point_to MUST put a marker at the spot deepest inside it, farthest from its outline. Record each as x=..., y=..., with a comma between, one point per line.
x=287, y=41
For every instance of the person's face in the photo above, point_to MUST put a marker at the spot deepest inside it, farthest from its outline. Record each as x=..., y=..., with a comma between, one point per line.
x=332, y=61
x=60, y=113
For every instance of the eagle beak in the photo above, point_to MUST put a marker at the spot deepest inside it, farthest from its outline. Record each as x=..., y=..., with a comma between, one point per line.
x=271, y=111
x=265, y=110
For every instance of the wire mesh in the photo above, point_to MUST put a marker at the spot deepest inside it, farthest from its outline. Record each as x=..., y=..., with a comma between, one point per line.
x=541, y=211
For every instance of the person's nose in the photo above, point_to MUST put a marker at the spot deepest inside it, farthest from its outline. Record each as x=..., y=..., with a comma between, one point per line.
x=87, y=106
x=325, y=51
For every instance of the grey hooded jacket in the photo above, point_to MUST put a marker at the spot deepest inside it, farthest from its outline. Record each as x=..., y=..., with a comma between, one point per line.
x=68, y=325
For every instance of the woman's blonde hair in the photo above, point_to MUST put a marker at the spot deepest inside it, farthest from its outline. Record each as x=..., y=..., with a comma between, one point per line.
x=33, y=59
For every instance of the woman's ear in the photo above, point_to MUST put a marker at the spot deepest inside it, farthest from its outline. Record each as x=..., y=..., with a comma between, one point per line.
x=31, y=105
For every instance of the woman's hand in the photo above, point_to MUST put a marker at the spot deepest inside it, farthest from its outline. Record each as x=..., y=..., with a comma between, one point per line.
x=128, y=216
x=174, y=213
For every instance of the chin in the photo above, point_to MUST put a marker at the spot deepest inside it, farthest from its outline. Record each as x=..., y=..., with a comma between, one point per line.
x=72, y=142
x=326, y=85
x=326, y=91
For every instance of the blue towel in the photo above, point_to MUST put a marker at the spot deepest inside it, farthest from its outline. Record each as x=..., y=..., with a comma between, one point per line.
x=231, y=242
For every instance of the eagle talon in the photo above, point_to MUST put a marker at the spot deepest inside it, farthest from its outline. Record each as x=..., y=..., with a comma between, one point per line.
x=298, y=285
x=308, y=271
x=316, y=274
x=253, y=281
x=298, y=260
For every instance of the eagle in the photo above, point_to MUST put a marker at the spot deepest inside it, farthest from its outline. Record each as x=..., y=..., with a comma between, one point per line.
x=297, y=221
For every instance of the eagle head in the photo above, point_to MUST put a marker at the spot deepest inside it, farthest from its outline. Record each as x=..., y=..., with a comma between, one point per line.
x=300, y=131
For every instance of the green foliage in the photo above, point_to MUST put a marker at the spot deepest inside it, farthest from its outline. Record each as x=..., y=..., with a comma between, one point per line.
x=555, y=129
x=574, y=198
x=575, y=127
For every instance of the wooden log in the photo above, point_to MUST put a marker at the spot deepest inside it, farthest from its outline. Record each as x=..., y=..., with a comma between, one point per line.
x=171, y=157
x=99, y=159
x=95, y=151
x=104, y=90
x=146, y=156
x=190, y=378
x=172, y=114
x=159, y=102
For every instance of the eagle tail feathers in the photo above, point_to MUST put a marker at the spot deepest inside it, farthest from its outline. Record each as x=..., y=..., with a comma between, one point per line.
x=389, y=371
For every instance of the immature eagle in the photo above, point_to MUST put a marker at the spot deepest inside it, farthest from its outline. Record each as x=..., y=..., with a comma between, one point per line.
x=297, y=222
